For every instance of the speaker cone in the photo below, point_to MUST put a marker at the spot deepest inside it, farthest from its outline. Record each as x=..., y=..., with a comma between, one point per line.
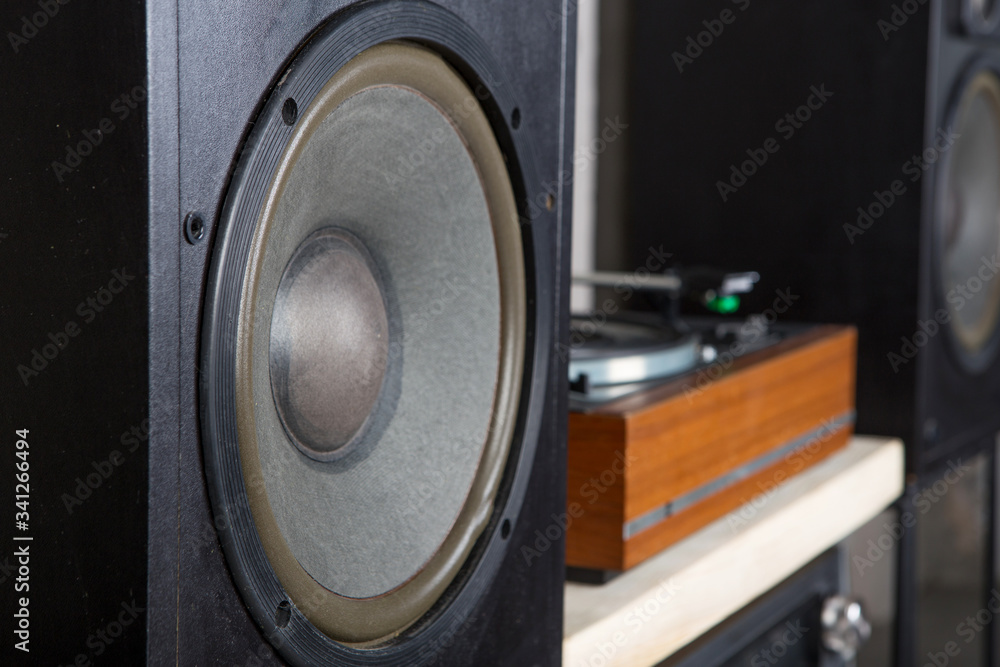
x=980, y=16
x=367, y=331
x=969, y=221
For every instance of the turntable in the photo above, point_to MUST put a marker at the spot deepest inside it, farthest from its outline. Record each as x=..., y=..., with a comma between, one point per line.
x=677, y=422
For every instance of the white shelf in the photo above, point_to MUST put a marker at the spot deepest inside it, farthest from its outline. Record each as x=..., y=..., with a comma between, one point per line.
x=651, y=611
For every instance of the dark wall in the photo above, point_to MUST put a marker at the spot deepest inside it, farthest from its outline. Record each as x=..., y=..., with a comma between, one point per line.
x=73, y=277
x=697, y=110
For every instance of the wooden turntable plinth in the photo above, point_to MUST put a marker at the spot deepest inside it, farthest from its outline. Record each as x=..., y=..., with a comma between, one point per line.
x=652, y=468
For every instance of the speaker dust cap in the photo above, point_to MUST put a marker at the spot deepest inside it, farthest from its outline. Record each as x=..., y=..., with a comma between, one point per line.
x=968, y=218
x=380, y=332
x=329, y=344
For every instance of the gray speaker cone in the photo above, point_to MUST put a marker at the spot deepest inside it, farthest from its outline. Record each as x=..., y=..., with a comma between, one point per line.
x=969, y=219
x=372, y=461
x=329, y=344
x=364, y=525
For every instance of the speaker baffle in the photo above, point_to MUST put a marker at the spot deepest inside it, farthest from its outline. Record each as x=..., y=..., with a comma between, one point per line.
x=968, y=221
x=366, y=341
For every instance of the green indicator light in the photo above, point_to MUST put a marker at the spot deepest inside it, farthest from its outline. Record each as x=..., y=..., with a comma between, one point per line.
x=724, y=305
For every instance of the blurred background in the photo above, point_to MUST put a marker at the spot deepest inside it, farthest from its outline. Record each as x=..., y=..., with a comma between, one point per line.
x=815, y=142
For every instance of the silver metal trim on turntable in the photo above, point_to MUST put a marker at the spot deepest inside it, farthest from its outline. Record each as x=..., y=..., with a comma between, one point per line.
x=638, y=368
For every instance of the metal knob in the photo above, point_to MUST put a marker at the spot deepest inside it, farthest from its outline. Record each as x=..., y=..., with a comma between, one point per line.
x=845, y=628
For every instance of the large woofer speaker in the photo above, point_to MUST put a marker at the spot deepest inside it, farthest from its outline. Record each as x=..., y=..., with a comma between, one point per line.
x=369, y=346
x=283, y=285
x=967, y=219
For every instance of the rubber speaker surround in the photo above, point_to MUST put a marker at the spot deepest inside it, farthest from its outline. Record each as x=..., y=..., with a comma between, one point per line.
x=349, y=34
x=974, y=345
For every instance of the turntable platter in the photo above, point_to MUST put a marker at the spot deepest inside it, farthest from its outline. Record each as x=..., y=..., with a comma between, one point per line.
x=620, y=352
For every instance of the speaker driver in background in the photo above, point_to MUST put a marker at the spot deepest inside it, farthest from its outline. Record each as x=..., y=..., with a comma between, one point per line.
x=980, y=17
x=365, y=350
x=968, y=220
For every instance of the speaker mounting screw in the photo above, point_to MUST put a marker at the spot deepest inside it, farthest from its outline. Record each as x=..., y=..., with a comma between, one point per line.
x=283, y=614
x=290, y=111
x=194, y=228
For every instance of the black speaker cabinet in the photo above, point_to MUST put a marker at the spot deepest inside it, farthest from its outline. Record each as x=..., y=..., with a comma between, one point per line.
x=790, y=138
x=282, y=285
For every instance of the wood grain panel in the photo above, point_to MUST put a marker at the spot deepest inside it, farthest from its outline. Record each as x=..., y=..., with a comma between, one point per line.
x=598, y=512
x=640, y=453
x=757, y=488
x=688, y=441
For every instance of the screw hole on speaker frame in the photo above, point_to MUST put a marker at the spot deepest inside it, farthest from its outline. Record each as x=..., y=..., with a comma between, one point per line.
x=515, y=118
x=550, y=202
x=283, y=614
x=194, y=228
x=505, y=529
x=290, y=111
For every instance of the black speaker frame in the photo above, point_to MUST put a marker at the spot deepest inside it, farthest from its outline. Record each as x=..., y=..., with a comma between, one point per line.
x=215, y=82
x=347, y=35
x=954, y=418
x=163, y=97
x=956, y=55
x=977, y=63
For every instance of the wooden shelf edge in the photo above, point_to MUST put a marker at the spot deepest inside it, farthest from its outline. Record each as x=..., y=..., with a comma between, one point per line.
x=651, y=611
